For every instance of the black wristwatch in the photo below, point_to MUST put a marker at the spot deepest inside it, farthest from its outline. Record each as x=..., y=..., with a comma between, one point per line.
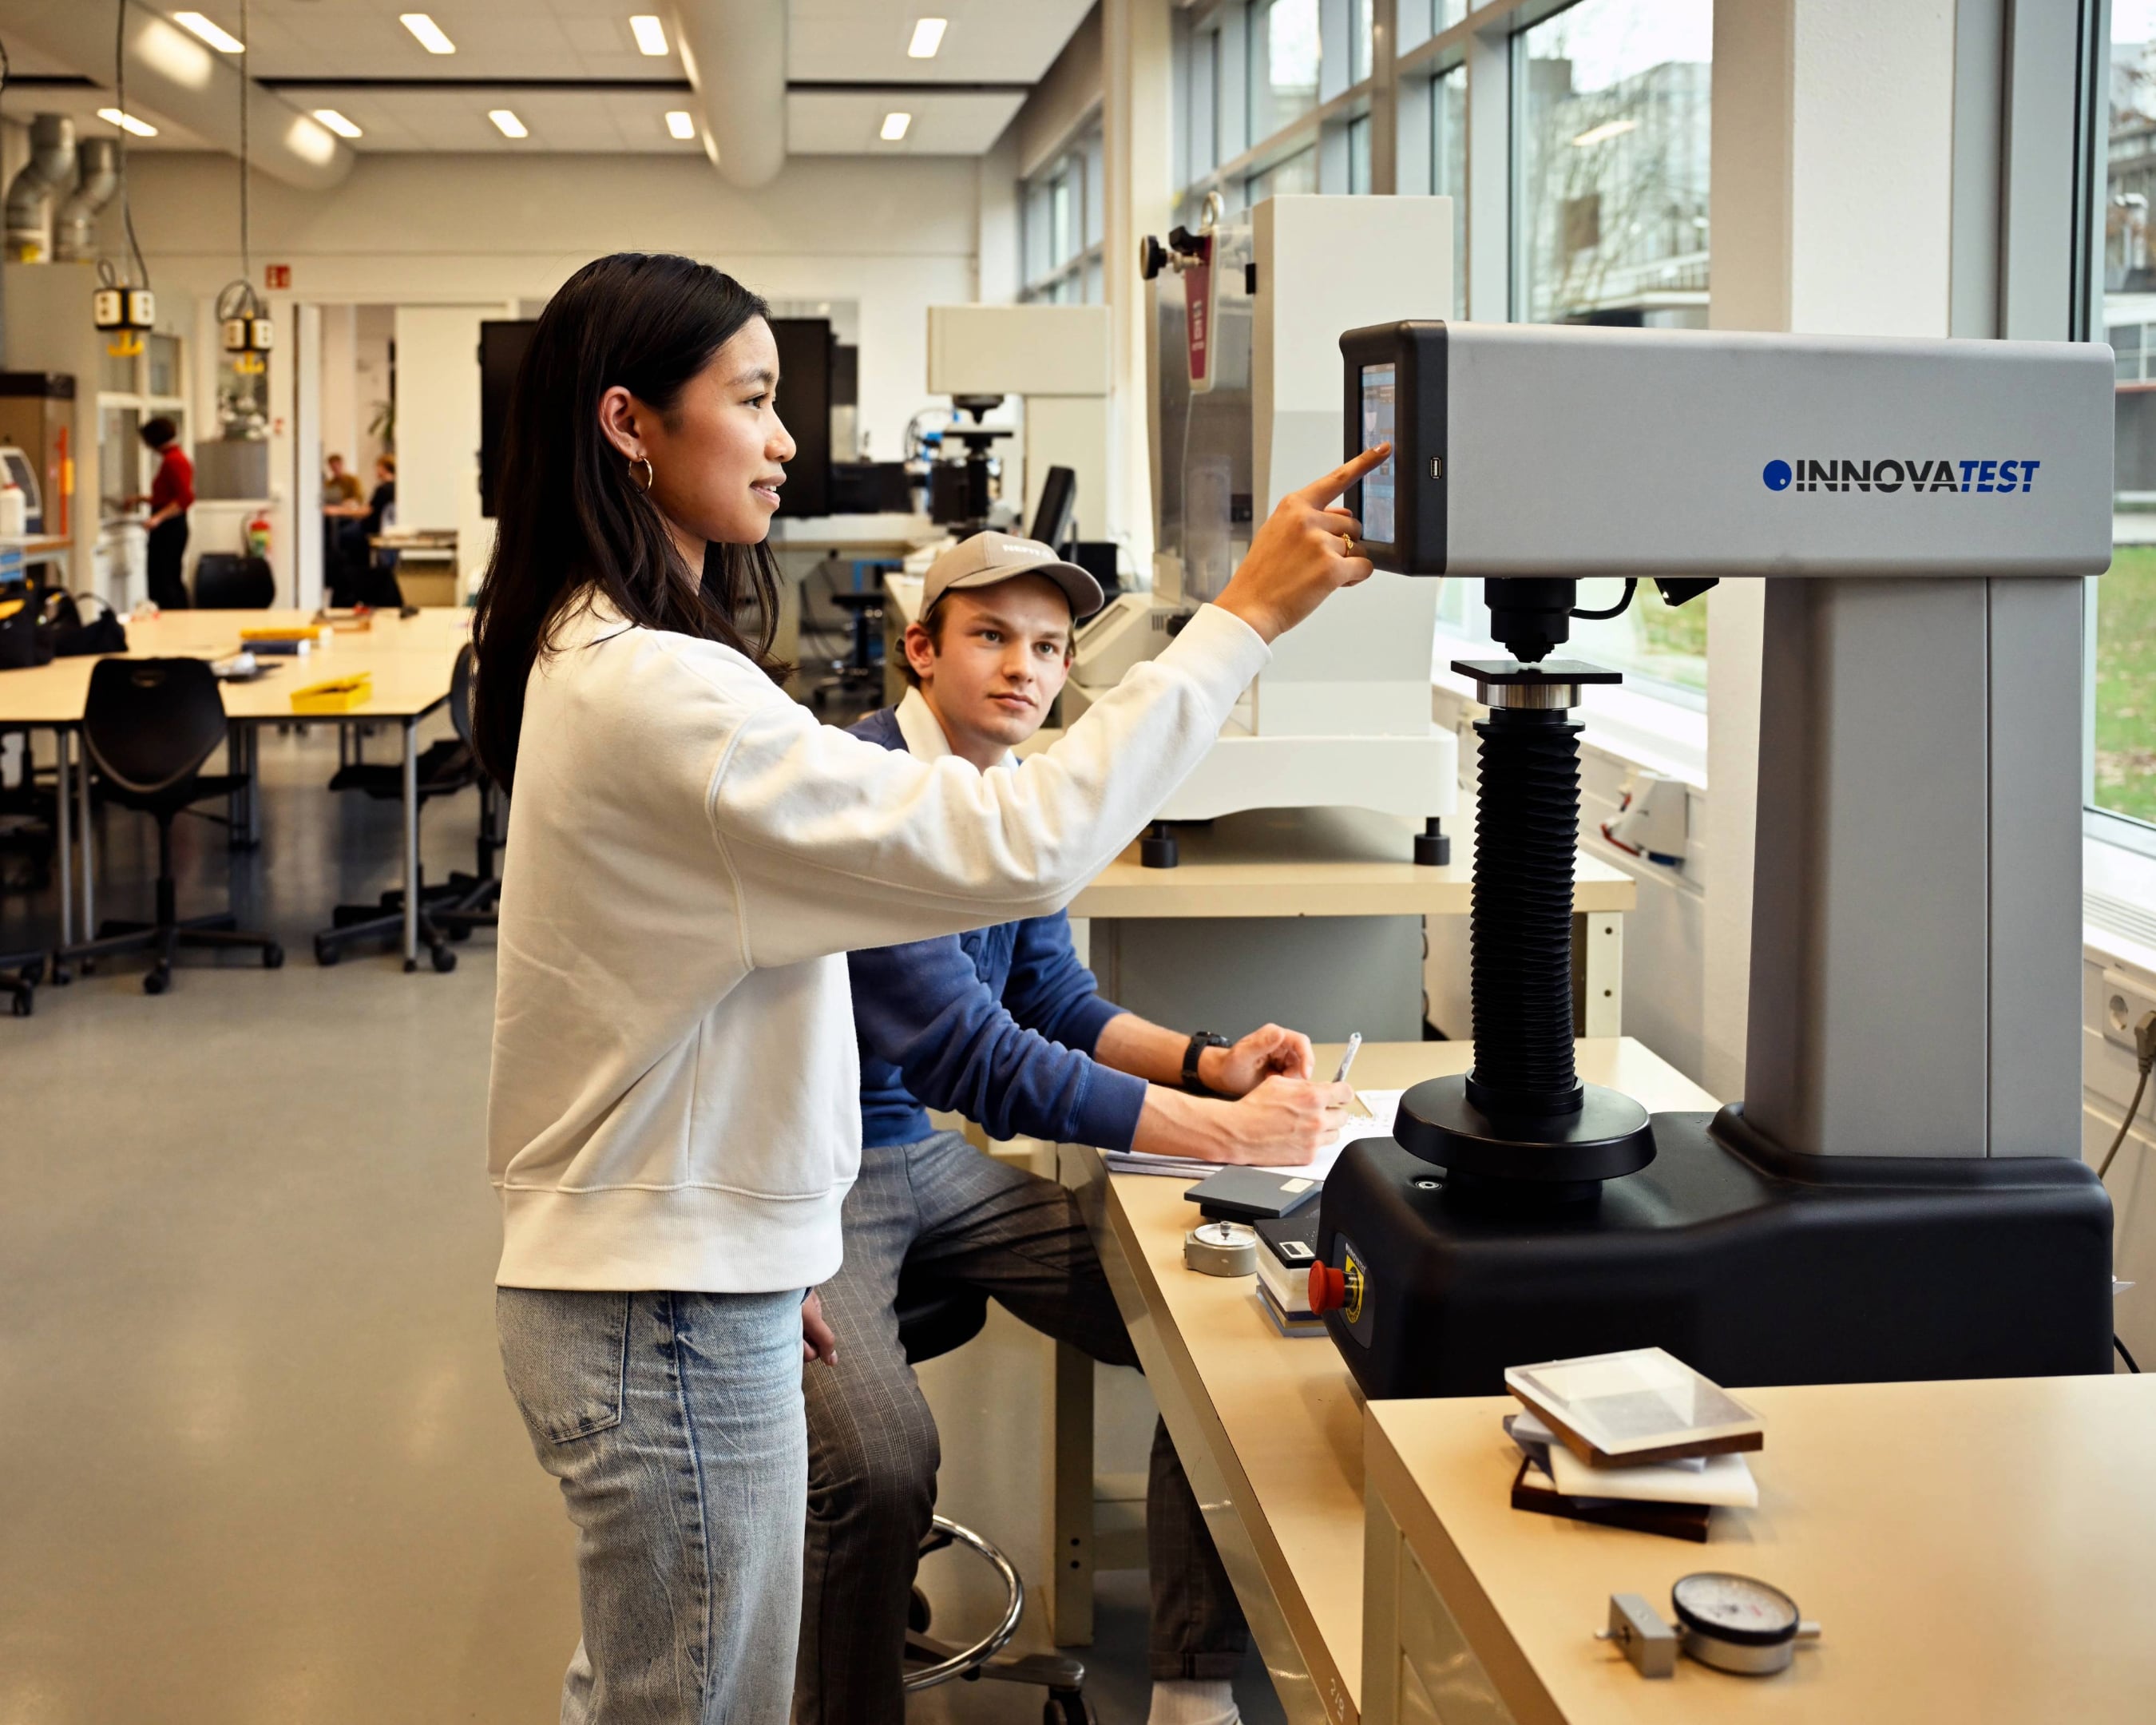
x=1198, y=1044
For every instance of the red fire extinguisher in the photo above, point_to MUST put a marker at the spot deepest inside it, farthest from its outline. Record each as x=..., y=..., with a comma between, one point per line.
x=257, y=533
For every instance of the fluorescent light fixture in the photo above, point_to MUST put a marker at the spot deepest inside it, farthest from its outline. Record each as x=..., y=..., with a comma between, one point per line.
x=222, y=40
x=649, y=33
x=430, y=33
x=679, y=124
x=337, y=123
x=507, y=124
x=127, y=122
x=1603, y=133
x=928, y=38
x=895, y=125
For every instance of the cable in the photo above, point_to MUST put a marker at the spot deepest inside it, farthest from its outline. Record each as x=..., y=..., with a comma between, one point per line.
x=2145, y=1057
x=1631, y=586
x=119, y=95
x=2125, y=1356
x=7, y=71
x=246, y=89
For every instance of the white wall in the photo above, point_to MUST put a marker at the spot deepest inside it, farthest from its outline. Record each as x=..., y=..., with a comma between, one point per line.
x=338, y=405
x=896, y=235
x=437, y=425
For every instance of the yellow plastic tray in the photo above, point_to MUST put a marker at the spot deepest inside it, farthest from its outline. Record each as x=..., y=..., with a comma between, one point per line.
x=338, y=695
x=282, y=632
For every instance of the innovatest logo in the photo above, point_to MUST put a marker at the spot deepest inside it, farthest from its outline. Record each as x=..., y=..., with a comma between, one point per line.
x=1893, y=475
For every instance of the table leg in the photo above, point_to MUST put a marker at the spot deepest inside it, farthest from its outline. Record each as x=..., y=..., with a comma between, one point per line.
x=1602, y=979
x=64, y=825
x=411, y=845
x=88, y=848
x=253, y=734
x=235, y=804
x=1070, y=1515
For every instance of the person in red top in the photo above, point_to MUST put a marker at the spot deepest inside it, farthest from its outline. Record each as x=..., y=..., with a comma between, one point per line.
x=171, y=495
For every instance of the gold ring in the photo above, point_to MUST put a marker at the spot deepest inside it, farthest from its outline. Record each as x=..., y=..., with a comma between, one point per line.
x=1350, y=539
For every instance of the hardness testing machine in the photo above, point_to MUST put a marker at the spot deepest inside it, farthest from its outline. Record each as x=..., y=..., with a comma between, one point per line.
x=1900, y=1194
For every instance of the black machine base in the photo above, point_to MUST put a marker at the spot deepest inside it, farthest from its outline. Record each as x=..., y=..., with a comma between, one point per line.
x=1750, y=1265
x=1608, y=1136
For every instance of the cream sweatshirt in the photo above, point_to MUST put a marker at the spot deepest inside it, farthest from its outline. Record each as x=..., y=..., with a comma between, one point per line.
x=675, y=1095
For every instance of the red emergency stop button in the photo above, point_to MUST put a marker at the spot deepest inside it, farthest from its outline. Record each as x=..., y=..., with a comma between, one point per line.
x=1328, y=1288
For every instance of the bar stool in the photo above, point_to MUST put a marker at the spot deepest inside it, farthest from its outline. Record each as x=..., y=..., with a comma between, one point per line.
x=935, y=1317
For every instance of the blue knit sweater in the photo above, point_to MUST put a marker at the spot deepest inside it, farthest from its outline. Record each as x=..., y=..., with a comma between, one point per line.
x=998, y=1025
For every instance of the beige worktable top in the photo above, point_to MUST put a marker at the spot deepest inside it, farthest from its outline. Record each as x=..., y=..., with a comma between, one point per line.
x=1979, y=1552
x=1315, y=862
x=1279, y=1418
x=411, y=659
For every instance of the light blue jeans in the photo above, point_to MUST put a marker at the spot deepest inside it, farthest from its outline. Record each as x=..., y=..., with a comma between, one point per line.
x=673, y=1423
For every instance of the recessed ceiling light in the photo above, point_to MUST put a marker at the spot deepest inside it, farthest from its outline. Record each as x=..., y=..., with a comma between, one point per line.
x=430, y=33
x=650, y=34
x=895, y=125
x=222, y=40
x=679, y=123
x=507, y=124
x=927, y=37
x=336, y=122
x=1601, y=133
x=127, y=122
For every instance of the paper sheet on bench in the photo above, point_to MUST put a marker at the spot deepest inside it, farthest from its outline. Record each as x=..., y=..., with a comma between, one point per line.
x=1382, y=1104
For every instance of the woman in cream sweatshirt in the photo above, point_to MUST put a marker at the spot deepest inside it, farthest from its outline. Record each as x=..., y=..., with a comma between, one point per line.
x=672, y=1118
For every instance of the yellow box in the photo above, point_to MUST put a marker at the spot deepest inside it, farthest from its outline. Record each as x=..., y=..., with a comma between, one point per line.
x=339, y=695
x=283, y=632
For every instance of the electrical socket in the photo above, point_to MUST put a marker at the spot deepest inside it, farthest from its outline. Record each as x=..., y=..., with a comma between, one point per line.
x=2127, y=1004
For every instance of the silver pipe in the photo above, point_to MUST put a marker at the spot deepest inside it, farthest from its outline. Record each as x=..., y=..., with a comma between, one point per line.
x=97, y=177
x=52, y=160
x=734, y=52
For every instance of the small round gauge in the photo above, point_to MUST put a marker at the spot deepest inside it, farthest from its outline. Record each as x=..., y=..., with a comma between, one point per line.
x=1735, y=1623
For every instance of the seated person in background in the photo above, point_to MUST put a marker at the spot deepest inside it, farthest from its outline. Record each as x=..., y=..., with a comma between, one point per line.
x=1003, y=1025
x=364, y=575
x=340, y=489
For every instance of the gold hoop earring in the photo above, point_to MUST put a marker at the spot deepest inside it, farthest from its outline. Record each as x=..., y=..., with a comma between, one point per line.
x=650, y=477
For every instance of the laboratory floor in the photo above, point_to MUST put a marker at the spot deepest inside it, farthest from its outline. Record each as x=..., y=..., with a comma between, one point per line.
x=262, y=1468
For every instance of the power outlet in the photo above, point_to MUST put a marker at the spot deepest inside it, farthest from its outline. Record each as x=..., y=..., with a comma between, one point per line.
x=2126, y=999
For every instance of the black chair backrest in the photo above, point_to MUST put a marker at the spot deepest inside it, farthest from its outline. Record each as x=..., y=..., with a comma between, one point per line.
x=225, y=581
x=460, y=691
x=150, y=723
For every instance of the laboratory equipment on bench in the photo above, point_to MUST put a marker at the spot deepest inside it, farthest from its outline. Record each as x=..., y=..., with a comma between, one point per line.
x=1244, y=403
x=1900, y=1195
x=1730, y=1622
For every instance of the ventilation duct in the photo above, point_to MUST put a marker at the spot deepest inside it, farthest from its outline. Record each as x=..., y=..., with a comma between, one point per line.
x=175, y=77
x=734, y=52
x=52, y=161
x=97, y=177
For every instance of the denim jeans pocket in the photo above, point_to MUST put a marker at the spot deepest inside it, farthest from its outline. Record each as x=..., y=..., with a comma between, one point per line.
x=566, y=1355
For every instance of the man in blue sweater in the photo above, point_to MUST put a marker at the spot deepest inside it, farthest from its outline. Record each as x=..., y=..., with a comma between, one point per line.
x=1005, y=1027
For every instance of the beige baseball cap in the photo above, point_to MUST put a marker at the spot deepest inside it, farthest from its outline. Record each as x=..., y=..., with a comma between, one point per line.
x=987, y=558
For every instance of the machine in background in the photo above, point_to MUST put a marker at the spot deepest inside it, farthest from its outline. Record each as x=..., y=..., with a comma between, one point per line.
x=1901, y=1196
x=1245, y=405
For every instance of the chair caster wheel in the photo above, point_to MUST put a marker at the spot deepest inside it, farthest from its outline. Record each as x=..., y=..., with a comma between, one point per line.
x=445, y=960
x=410, y=966
x=62, y=976
x=90, y=967
x=272, y=958
x=157, y=982
x=326, y=953
x=23, y=1006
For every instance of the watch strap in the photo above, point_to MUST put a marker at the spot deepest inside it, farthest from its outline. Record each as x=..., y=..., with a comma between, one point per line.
x=1198, y=1043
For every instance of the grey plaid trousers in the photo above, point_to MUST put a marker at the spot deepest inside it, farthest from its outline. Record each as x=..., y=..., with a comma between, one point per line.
x=873, y=1450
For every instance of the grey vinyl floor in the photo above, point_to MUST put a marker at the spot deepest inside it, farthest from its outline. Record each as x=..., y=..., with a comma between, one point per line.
x=259, y=1464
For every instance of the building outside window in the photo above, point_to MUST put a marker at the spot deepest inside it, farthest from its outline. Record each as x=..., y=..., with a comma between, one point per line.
x=1283, y=61
x=1059, y=221
x=1448, y=163
x=2124, y=775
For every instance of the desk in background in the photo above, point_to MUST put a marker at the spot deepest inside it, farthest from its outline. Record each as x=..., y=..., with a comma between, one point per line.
x=411, y=659
x=1270, y=1429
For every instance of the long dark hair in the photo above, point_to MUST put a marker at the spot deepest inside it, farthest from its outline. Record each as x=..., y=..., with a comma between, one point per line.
x=573, y=519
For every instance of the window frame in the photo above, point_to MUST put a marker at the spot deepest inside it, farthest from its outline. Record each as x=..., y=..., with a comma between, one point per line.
x=1077, y=168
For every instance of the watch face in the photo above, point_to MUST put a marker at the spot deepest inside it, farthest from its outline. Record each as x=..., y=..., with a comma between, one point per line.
x=1735, y=1607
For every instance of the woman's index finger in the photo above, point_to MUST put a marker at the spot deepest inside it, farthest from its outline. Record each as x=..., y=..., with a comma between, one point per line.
x=1321, y=492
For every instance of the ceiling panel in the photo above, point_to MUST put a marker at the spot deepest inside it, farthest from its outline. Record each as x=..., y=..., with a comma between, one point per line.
x=989, y=41
x=402, y=118
x=821, y=123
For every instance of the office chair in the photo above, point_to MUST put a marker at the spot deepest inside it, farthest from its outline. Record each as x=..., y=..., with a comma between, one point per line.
x=225, y=582
x=20, y=973
x=148, y=726
x=451, y=910
x=935, y=1317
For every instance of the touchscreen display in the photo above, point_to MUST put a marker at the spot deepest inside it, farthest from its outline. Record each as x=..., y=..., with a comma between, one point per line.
x=1377, y=517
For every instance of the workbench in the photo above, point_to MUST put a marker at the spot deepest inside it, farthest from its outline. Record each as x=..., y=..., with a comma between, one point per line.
x=1269, y=1428
x=1980, y=1552
x=410, y=657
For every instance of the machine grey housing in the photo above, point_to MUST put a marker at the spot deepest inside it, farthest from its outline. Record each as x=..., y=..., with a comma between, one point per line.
x=1560, y=451
x=1416, y=350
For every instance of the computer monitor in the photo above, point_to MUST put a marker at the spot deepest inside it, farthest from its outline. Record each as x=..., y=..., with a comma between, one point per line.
x=501, y=348
x=1059, y=501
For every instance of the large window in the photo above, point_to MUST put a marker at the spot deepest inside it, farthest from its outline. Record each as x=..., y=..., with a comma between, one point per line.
x=2124, y=781
x=1611, y=135
x=1283, y=65
x=1060, y=217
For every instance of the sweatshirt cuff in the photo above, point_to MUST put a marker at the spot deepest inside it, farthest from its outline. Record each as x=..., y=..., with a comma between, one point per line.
x=1106, y=1116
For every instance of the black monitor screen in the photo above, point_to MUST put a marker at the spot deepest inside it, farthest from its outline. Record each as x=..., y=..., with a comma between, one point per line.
x=806, y=351
x=1059, y=500
x=501, y=348
x=1378, y=390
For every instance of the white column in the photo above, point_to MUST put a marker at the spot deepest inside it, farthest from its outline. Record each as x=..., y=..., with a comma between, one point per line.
x=341, y=418
x=1832, y=213
x=995, y=253
x=306, y=487
x=1138, y=66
